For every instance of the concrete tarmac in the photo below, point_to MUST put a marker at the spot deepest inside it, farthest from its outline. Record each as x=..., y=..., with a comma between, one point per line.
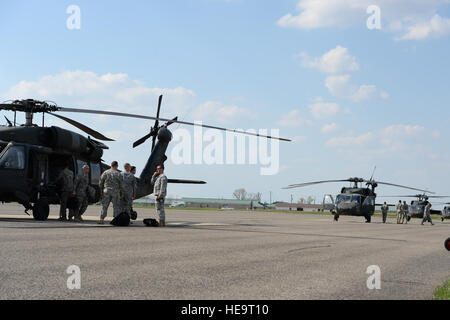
x=220, y=255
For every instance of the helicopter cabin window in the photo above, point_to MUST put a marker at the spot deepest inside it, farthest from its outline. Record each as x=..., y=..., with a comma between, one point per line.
x=95, y=173
x=13, y=158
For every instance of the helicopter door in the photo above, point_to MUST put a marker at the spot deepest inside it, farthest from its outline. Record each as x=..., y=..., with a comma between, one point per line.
x=328, y=202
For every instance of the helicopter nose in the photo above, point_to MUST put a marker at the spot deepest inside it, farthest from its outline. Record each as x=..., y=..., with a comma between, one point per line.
x=164, y=135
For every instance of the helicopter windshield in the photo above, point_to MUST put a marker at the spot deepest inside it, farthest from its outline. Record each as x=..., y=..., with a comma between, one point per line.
x=342, y=198
x=13, y=158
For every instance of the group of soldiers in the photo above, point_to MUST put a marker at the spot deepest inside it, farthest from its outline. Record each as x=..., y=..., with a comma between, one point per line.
x=73, y=188
x=403, y=216
x=118, y=188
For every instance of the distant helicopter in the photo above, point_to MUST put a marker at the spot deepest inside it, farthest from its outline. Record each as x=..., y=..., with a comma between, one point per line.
x=417, y=207
x=355, y=200
x=32, y=156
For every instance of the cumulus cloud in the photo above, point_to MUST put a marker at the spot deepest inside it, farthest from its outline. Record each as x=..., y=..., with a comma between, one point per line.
x=336, y=60
x=436, y=27
x=292, y=119
x=321, y=109
x=217, y=111
x=350, y=141
x=329, y=128
x=414, y=19
x=341, y=87
x=115, y=92
x=398, y=138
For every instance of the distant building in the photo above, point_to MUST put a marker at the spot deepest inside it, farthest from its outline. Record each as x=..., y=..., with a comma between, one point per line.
x=284, y=206
x=218, y=203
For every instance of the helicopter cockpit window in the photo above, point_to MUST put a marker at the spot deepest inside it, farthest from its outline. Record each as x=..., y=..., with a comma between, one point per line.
x=342, y=198
x=356, y=199
x=370, y=201
x=13, y=158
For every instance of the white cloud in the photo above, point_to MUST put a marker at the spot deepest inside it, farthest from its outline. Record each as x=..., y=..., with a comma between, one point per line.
x=399, y=139
x=341, y=87
x=115, y=92
x=350, y=141
x=329, y=128
x=292, y=119
x=217, y=111
x=401, y=130
x=415, y=19
x=321, y=109
x=336, y=60
x=436, y=27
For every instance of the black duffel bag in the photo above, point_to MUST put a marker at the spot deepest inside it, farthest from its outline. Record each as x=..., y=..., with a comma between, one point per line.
x=72, y=203
x=122, y=220
x=151, y=223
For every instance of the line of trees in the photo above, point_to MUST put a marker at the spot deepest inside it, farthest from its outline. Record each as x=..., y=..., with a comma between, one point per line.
x=241, y=194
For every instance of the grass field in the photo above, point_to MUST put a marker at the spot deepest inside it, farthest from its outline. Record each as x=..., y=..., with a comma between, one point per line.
x=443, y=292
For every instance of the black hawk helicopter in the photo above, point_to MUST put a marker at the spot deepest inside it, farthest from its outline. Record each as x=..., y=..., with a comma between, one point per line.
x=32, y=156
x=353, y=201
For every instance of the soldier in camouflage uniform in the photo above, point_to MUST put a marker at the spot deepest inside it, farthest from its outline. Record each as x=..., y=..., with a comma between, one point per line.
x=399, y=211
x=405, y=209
x=65, y=177
x=129, y=189
x=111, y=188
x=81, y=189
x=159, y=181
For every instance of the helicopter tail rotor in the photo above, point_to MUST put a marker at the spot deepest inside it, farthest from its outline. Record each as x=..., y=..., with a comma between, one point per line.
x=154, y=130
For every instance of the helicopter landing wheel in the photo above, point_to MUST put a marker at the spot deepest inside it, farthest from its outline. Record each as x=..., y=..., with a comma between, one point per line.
x=41, y=210
x=442, y=219
x=447, y=244
x=368, y=219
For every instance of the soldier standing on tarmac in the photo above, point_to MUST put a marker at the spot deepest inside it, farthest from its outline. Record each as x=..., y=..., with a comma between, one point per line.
x=111, y=188
x=66, y=179
x=159, y=180
x=399, y=211
x=129, y=188
x=81, y=192
x=384, y=211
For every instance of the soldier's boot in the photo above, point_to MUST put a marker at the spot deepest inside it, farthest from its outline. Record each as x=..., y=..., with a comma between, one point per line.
x=162, y=223
x=101, y=221
x=78, y=218
x=62, y=218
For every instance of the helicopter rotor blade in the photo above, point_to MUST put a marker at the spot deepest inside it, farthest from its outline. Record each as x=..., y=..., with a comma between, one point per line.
x=143, y=139
x=416, y=196
x=129, y=115
x=82, y=127
x=400, y=186
x=292, y=186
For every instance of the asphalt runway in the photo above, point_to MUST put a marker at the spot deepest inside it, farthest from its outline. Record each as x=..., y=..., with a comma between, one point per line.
x=220, y=255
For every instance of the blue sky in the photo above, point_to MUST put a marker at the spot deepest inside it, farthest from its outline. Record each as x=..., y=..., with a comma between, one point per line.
x=351, y=97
